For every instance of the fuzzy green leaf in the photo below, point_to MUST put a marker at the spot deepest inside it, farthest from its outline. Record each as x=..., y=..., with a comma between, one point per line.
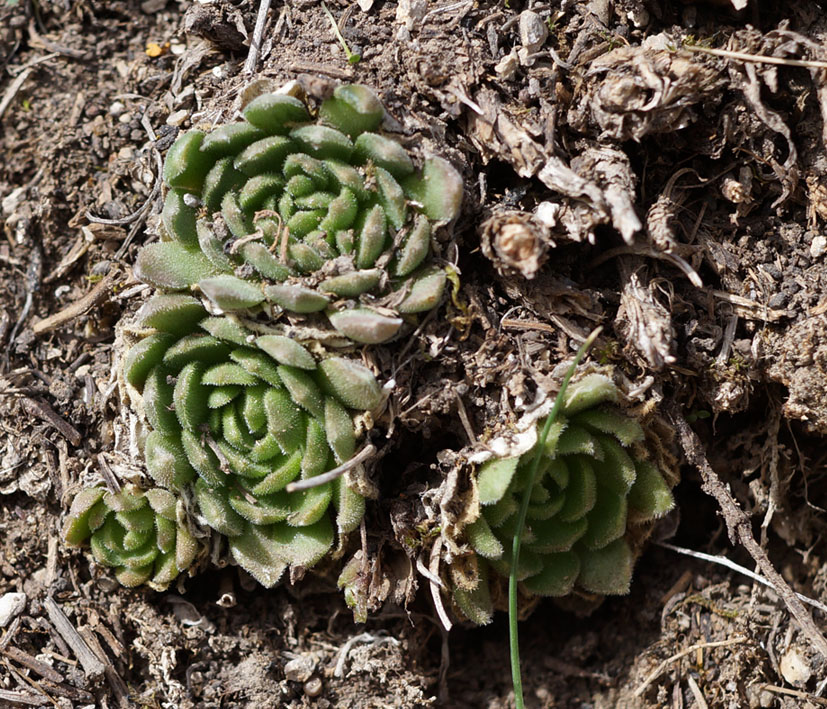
x=351, y=383
x=170, y=266
x=365, y=325
x=494, y=477
x=173, y=313
x=608, y=570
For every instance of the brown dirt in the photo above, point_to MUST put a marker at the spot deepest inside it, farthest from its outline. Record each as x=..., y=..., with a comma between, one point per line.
x=92, y=93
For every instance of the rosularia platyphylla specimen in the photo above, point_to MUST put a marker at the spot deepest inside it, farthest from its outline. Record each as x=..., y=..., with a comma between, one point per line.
x=238, y=416
x=595, y=489
x=307, y=216
x=143, y=535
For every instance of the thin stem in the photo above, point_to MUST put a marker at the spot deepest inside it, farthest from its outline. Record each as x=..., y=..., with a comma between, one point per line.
x=513, y=634
x=352, y=57
x=331, y=475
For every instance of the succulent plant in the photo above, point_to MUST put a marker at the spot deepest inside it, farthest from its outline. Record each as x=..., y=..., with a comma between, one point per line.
x=143, y=535
x=237, y=416
x=281, y=210
x=594, y=490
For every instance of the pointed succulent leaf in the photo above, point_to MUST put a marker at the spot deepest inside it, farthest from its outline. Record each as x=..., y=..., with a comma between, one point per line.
x=259, y=257
x=286, y=351
x=425, y=291
x=158, y=401
x=353, y=284
x=365, y=325
x=178, y=219
x=213, y=247
x=195, y=348
x=176, y=314
x=351, y=383
x=350, y=506
x=221, y=179
x=166, y=461
x=296, y=298
x=494, y=477
x=213, y=505
x=617, y=469
x=414, y=248
x=483, y=540
x=76, y=529
x=303, y=389
x=438, y=189
x=309, y=506
x=170, y=266
x=559, y=574
x=144, y=356
x=383, y=152
x=302, y=546
x=264, y=156
x=476, y=603
x=339, y=431
x=650, y=496
x=591, y=390
x=226, y=329
x=353, y=109
x=257, y=363
x=607, y=520
x=186, y=166
x=607, y=420
x=607, y=570
x=323, y=142
x=230, y=139
x=190, y=397
x=275, y=114
x=203, y=459
x=254, y=552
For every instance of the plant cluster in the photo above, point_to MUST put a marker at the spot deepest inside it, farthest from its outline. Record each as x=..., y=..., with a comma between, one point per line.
x=143, y=535
x=309, y=217
x=593, y=492
x=274, y=229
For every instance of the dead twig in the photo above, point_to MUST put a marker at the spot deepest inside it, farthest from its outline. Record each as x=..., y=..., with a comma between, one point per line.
x=683, y=653
x=14, y=87
x=723, y=561
x=331, y=475
x=92, y=665
x=738, y=529
x=255, y=41
x=94, y=297
x=44, y=412
x=32, y=663
x=22, y=698
x=757, y=58
x=795, y=693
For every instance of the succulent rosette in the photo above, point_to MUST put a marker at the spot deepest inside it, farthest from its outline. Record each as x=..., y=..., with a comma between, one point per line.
x=306, y=216
x=143, y=535
x=595, y=490
x=237, y=415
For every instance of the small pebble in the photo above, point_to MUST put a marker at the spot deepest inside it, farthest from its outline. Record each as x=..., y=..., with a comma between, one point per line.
x=177, y=118
x=11, y=605
x=300, y=669
x=313, y=687
x=125, y=117
x=818, y=246
x=116, y=108
x=794, y=668
x=152, y=6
